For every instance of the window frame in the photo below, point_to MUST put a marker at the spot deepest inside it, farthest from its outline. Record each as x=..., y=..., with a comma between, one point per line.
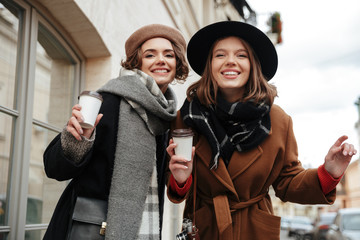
x=32, y=15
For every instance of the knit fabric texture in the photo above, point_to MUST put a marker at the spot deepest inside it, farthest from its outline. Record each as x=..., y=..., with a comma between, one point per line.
x=327, y=182
x=73, y=148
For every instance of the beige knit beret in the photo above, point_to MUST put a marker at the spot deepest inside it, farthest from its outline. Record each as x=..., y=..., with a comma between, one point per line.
x=152, y=31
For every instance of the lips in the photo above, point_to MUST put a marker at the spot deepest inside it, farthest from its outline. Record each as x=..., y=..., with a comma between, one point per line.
x=160, y=71
x=230, y=72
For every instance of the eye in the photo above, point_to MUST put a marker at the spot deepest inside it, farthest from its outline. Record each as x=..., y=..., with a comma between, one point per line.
x=218, y=55
x=148, y=55
x=169, y=55
x=242, y=55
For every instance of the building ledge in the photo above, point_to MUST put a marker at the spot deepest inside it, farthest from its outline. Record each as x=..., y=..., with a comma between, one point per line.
x=78, y=26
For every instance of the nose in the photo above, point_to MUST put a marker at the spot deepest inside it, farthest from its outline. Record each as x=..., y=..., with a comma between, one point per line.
x=160, y=59
x=230, y=60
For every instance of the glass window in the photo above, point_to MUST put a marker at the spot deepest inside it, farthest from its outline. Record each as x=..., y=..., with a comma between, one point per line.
x=51, y=70
x=34, y=235
x=9, y=27
x=53, y=94
x=3, y=236
x=43, y=192
x=352, y=222
x=54, y=80
x=6, y=126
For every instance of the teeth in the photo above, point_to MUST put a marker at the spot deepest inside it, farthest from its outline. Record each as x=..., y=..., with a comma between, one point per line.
x=230, y=73
x=160, y=71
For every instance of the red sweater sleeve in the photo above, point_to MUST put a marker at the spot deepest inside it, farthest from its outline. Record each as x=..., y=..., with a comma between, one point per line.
x=327, y=182
x=181, y=191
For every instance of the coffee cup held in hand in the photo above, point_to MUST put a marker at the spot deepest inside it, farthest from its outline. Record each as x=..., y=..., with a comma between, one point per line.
x=184, y=140
x=90, y=103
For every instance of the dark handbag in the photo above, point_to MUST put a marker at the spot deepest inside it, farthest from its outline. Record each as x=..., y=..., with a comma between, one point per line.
x=88, y=219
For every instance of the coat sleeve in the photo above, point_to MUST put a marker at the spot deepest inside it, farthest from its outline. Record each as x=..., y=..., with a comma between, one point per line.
x=294, y=183
x=64, y=165
x=60, y=167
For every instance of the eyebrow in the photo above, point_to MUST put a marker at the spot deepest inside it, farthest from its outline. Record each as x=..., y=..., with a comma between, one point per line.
x=154, y=50
x=239, y=50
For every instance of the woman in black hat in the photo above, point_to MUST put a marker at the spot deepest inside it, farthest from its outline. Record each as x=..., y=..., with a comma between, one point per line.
x=244, y=143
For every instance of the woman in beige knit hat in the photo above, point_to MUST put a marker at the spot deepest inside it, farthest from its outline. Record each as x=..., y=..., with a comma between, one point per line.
x=121, y=160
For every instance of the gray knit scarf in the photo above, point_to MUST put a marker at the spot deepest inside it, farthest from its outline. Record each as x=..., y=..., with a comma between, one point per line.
x=144, y=113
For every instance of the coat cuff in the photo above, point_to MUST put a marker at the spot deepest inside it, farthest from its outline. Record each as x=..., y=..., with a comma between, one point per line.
x=328, y=183
x=181, y=191
x=74, y=149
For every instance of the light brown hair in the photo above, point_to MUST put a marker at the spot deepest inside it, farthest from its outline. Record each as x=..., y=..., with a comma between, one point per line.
x=257, y=88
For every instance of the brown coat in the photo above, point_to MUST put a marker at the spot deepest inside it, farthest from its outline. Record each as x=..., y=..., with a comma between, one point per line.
x=233, y=203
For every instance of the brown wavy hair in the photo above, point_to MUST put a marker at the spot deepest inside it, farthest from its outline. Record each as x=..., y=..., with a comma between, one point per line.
x=257, y=87
x=182, y=68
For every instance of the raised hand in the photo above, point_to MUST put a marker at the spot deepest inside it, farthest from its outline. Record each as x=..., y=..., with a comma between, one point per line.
x=73, y=125
x=339, y=157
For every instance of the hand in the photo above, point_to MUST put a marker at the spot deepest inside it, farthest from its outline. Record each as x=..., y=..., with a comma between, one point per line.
x=339, y=157
x=74, y=127
x=180, y=168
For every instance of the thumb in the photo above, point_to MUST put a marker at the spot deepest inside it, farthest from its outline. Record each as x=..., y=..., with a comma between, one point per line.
x=98, y=118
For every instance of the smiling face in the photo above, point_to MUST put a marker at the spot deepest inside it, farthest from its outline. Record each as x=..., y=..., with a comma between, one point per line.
x=158, y=61
x=230, y=67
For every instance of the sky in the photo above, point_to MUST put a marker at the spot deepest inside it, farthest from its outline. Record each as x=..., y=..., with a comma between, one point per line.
x=318, y=77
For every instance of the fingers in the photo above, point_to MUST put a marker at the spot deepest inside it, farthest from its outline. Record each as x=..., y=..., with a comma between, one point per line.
x=177, y=162
x=192, y=153
x=340, y=140
x=98, y=118
x=171, y=148
x=348, y=149
x=73, y=125
x=74, y=128
x=76, y=107
x=76, y=113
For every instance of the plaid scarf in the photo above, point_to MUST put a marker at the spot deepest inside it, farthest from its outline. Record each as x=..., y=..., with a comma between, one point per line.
x=228, y=126
x=150, y=222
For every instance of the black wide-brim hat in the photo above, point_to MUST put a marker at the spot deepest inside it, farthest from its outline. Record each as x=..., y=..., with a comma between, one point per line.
x=200, y=44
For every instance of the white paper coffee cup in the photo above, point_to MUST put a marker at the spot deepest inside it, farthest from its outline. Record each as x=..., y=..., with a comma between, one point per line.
x=90, y=103
x=184, y=140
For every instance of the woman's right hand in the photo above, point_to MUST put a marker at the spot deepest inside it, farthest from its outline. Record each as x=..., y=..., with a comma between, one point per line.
x=74, y=127
x=180, y=168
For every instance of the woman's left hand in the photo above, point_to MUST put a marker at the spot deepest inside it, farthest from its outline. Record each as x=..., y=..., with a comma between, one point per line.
x=180, y=167
x=339, y=157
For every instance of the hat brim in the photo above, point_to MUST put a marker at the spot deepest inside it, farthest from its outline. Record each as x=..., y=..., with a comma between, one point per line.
x=200, y=44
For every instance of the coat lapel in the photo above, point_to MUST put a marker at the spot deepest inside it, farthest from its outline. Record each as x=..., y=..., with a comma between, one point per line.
x=240, y=161
x=203, y=151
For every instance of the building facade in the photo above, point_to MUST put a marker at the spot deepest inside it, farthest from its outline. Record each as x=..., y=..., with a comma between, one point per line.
x=352, y=176
x=51, y=50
